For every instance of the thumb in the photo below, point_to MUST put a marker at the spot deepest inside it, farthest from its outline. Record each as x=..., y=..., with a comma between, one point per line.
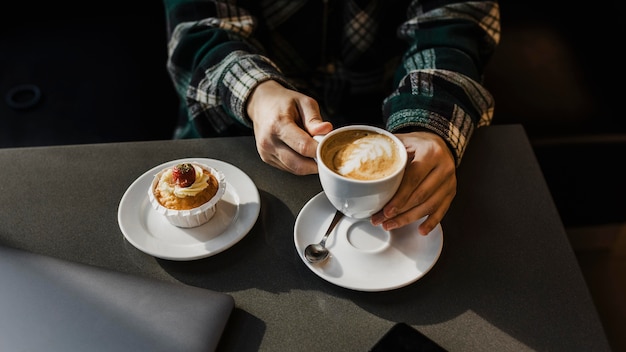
x=312, y=118
x=316, y=126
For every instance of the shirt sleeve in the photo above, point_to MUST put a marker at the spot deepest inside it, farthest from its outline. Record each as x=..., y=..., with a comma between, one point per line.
x=214, y=63
x=438, y=84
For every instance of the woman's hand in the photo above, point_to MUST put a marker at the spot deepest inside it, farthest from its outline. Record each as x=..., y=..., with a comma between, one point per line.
x=284, y=121
x=428, y=186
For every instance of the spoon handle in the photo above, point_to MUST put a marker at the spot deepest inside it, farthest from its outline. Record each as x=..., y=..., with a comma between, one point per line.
x=336, y=218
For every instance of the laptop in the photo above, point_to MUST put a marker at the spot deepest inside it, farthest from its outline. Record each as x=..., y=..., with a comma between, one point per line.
x=48, y=304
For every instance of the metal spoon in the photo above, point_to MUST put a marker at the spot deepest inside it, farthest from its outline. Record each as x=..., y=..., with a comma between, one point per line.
x=316, y=252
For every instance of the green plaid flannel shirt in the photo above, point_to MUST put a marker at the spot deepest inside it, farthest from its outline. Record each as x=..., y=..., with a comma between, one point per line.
x=401, y=64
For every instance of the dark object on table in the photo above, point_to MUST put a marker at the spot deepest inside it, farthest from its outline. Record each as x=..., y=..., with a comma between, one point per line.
x=56, y=305
x=403, y=338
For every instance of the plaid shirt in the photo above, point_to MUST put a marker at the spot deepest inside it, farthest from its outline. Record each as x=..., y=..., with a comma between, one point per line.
x=401, y=64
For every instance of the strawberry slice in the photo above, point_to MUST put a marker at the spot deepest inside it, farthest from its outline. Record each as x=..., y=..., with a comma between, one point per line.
x=184, y=175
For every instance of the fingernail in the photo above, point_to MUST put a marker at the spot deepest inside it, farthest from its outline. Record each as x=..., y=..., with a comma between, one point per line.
x=390, y=225
x=376, y=220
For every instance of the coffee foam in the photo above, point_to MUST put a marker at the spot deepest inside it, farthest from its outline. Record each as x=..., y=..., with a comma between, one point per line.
x=369, y=156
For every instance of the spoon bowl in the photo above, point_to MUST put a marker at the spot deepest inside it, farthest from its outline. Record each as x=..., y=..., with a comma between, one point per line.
x=317, y=252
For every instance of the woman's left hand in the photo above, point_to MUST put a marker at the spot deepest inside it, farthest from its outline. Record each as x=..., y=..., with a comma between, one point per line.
x=428, y=186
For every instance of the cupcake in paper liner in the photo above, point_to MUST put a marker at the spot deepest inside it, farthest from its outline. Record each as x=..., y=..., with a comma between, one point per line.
x=187, y=193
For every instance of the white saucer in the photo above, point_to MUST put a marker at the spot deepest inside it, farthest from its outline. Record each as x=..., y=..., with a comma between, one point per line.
x=364, y=257
x=151, y=233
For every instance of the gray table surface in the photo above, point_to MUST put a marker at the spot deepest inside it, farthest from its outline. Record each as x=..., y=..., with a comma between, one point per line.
x=507, y=279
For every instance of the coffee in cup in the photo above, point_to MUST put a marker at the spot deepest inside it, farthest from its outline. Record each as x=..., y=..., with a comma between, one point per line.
x=361, y=154
x=360, y=168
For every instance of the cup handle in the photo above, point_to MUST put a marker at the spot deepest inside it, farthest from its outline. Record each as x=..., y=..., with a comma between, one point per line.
x=318, y=138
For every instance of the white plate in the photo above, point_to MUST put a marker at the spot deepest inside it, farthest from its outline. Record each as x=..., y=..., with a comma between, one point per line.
x=151, y=233
x=364, y=257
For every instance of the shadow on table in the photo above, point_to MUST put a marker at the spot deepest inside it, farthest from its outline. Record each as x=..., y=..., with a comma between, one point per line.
x=242, y=321
x=250, y=263
x=266, y=260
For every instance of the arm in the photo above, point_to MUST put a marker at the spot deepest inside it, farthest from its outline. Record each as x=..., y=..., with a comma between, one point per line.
x=437, y=104
x=439, y=82
x=215, y=63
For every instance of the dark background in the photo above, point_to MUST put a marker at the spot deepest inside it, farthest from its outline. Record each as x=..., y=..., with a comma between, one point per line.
x=558, y=73
x=101, y=74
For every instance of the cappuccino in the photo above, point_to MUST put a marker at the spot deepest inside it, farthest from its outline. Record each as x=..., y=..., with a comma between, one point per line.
x=361, y=154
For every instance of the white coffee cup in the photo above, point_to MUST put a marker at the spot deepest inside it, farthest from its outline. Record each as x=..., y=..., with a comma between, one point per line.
x=360, y=168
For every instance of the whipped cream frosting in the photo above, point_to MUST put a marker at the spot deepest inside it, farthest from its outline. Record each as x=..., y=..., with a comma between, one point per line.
x=167, y=185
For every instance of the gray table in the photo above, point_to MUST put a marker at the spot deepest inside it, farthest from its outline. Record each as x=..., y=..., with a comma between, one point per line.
x=507, y=279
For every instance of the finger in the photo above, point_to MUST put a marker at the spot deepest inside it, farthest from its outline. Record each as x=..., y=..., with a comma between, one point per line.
x=312, y=119
x=298, y=140
x=296, y=163
x=420, y=183
x=430, y=196
x=399, y=199
x=277, y=153
x=435, y=216
x=407, y=196
x=433, y=209
x=299, y=137
x=429, y=224
x=317, y=127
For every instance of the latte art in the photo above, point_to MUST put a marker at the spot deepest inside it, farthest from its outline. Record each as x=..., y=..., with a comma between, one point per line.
x=362, y=155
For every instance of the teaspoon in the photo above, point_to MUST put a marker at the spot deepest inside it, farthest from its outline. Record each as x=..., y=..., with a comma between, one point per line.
x=316, y=252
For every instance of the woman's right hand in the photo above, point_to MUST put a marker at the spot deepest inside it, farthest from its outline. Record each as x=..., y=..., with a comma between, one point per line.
x=284, y=121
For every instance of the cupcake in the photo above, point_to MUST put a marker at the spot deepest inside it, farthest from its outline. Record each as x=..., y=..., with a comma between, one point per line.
x=187, y=193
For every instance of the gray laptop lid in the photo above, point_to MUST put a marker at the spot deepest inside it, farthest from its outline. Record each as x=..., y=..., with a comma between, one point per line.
x=47, y=304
